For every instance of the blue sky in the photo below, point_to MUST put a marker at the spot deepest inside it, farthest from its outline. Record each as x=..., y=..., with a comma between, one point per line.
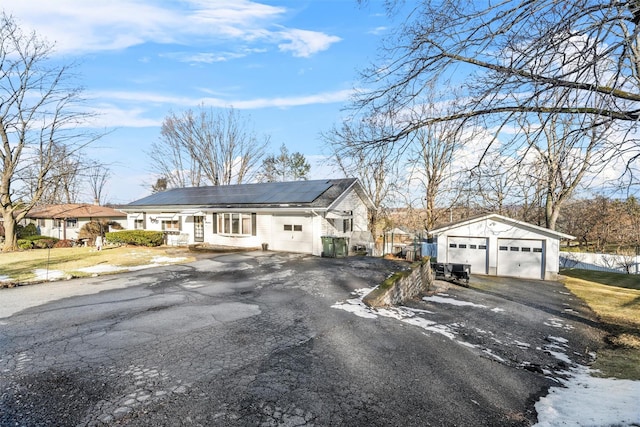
x=290, y=65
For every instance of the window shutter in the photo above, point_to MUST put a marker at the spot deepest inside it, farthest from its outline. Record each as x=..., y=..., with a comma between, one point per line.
x=215, y=223
x=254, y=231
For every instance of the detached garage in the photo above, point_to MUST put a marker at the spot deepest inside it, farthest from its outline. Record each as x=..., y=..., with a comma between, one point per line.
x=499, y=246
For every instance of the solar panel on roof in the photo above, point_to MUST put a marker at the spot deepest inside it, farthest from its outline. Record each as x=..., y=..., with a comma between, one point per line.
x=266, y=193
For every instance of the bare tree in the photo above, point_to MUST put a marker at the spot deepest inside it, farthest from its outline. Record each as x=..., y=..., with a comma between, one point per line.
x=513, y=57
x=98, y=175
x=431, y=153
x=171, y=157
x=39, y=114
x=564, y=150
x=374, y=166
x=212, y=146
x=65, y=182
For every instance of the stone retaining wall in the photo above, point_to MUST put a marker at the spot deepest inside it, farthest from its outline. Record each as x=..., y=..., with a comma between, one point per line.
x=402, y=285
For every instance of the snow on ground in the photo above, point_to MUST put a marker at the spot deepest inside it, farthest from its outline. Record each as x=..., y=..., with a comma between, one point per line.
x=585, y=400
x=452, y=301
x=581, y=400
x=42, y=274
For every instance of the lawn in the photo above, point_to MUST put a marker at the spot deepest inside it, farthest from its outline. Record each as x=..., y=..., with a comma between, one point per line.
x=615, y=298
x=27, y=266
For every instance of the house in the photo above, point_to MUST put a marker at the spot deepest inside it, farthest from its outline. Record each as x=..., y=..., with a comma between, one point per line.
x=65, y=221
x=283, y=216
x=499, y=246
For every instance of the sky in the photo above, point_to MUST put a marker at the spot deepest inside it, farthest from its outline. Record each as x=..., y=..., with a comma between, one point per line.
x=288, y=66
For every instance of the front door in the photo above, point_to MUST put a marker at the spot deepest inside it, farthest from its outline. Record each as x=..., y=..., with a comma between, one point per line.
x=198, y=228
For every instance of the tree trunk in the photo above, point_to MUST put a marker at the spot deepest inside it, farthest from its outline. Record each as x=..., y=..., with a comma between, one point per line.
x=10, y=236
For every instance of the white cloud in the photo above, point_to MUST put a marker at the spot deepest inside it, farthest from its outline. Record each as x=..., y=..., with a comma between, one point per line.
x=303, y=43
x=378, y=30
x=203, y=57
x=122, y=108
x=82, y=27
x=279, y=102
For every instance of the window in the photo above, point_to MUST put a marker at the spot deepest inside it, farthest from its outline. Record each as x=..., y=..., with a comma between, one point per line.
x=453, y=245
x=462, y=246
x=138, y=224
x=526, y=249
x=472, y=246
x=57, y=223
x=292, y=227
x=171, y=225
x=246, y=224
x=288, y=227
x=297, y=227
x=514, y=249
x=235, y=223
x=482, y=247
x=503, y=248
x=539, y=250
x=42, y=222
x=347, y=225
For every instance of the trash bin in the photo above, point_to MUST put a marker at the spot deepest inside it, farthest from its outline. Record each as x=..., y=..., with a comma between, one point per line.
x=328, y=247
x=340, y=247
x=265, y=246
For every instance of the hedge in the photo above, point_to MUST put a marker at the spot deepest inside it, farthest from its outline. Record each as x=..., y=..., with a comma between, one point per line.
x=136, y=237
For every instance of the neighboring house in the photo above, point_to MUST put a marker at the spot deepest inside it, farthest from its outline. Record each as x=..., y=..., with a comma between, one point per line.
x=499, y=246
x=286, y=216
x=65, y=221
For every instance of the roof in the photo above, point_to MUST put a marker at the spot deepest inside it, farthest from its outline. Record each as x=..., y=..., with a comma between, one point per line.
x=308, y=194
x=75, y=210
x=503, y=219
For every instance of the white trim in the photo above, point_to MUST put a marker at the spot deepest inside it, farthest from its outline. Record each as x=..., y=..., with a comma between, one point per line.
x=503, y=219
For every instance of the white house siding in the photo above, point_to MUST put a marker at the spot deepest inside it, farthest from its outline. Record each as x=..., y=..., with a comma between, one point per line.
x=351, y=202
x=298, y=235
x=49, y=228
x=496, y=233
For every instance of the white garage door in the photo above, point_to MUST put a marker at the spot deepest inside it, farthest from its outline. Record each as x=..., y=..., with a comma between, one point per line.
x=292, y=233
x=468, y=250
x=520, y=258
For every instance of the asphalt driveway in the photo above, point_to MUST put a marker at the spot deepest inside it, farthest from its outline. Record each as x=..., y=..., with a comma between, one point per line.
x=263, y=338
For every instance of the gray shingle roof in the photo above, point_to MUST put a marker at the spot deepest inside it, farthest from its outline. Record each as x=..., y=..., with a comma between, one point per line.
x=315, y=193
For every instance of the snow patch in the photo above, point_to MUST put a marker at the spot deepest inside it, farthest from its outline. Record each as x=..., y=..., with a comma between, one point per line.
x=404, y=314
x=44, y=274
x=557, y=323
x=586, y=400
x=452, y=301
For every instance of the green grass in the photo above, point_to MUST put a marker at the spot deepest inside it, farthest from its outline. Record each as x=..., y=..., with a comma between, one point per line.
x=615, y=298
x=629, y=281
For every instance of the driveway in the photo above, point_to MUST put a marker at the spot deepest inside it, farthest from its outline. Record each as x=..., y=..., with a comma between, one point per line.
x=265, y=338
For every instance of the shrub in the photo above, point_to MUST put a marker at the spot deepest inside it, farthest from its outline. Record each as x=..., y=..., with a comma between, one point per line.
x=96, y=228
x=25, y=244
x=27, y=231
x=44, y=242
x=136, y=237
x=63, y=244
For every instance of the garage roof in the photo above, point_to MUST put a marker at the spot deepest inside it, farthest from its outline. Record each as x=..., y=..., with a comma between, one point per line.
x=505, y=220
x=312, y=194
